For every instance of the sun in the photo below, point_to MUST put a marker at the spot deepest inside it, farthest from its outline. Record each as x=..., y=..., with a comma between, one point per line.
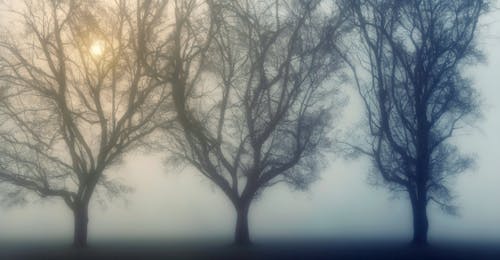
x=97, y=48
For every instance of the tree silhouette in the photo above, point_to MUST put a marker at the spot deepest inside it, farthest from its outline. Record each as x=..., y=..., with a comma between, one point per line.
x=74, y=98
x=411, y=80
x=247, y=84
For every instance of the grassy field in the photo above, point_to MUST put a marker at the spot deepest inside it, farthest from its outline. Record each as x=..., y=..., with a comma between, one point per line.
x=272, y=250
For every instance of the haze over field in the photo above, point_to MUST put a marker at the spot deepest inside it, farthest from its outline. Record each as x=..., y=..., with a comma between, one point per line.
x=178, y=204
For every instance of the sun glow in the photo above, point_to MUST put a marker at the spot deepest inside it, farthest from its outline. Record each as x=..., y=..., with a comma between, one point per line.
x=97, y=49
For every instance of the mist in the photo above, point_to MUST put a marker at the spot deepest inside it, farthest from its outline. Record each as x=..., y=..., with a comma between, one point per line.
x=175, y=203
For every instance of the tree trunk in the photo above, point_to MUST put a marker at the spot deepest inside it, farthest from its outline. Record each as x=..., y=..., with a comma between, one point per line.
x=419, y=200
x=241, y=233
x=420, y=222
x=80, y=212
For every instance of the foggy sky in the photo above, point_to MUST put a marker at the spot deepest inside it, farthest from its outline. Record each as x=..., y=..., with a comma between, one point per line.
x=175, y=204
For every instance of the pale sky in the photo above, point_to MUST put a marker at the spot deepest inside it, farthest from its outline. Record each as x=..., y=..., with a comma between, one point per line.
x=178, y=205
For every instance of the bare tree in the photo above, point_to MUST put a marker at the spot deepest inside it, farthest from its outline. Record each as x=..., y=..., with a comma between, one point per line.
x=410, y=77
x=74, y=98
x=251, y=105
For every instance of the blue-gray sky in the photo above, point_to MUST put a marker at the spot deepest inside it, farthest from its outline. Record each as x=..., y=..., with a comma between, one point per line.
x=172, y=204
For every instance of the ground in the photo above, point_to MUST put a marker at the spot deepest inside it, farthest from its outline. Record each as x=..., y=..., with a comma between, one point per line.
x=271, y=250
